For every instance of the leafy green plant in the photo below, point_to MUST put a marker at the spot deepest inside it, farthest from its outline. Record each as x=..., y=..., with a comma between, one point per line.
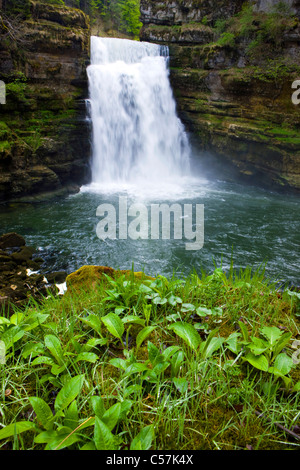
x=53, y=354
x=18, y=325
x=265, y=352
x=143, y=440
x=151, y=369
x=226, y=39
x=65, y=409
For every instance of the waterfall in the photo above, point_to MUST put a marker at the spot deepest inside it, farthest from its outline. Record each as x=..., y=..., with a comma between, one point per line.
x=137, y=135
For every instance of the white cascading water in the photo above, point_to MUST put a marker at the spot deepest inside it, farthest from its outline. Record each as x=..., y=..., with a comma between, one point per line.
x=137, y=136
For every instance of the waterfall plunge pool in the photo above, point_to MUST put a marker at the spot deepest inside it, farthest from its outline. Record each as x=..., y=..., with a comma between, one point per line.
x=141, y=151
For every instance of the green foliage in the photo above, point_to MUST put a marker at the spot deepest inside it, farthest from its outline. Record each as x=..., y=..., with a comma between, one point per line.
x=154, y=363
x=17, y=8
x=124, y=14
x=257, y=28
x=17, y=89
x=226, y=39
x=54, y=2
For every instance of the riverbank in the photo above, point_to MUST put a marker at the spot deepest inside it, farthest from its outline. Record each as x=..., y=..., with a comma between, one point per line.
x=123, y=361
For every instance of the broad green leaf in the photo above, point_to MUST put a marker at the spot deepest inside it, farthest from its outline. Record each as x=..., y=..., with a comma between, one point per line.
x=33, y=348
x=143, y=334
x=187, y=307
x=132, y=389
x=259, y=362
x=45, y=437
x=111, y=416
x=119, y=310
x=57, y=369
x=94, y=322
x=283, y=363
x=159, y=301
x=281, y=343
x=217, y=311
x=293, y=294
x=103, y=438
x=114, y=325
x=232, y=342
x=136, y=368
x=181, y=384
x=87, y=356
x=71, y=416
x=258, y=346
x=35, y=320
x=272, y=333
x=143, y=440
x=154, y=354
x=174, y=300
x=176, y=362
x=97, y=406
x=69, y=392
x=160, y=367
x=125, y=407
x=4, y=321
x=12, y=335
x=144, y=288
x=213, y=345
x=63, y=440
x=169, y=352
x=88, y=446
x=119, y=362
x=133, y=319
x=54, y=346
x=203, y=311
x=43, y=412
x=296, y=387
x=43, y=360
x=93, y=342
x=173, y=317
x=16, y=428
x=188, y=333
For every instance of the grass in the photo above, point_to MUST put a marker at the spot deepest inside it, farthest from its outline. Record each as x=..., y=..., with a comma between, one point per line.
x=206, y=362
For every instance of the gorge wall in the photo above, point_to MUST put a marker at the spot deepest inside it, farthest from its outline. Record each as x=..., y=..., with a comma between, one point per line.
x=44, y=144
x=232, y=65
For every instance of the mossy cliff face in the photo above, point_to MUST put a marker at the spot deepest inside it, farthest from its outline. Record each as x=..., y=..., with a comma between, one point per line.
x=232, y=65
x=44, y=145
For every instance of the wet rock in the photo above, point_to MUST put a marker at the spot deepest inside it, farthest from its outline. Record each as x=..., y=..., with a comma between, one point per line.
x=20, y=273
x=12, y=239
x=24, y=255
x=57, y=277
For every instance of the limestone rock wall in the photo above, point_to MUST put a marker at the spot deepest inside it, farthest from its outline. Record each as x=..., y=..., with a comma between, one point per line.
x=232, y=65
x=45, y=137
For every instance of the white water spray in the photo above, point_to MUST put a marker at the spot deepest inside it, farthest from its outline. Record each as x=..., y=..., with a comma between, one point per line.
x=137, y=136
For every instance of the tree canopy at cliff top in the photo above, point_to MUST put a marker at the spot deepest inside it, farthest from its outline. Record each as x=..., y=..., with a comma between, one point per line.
x=122, y=14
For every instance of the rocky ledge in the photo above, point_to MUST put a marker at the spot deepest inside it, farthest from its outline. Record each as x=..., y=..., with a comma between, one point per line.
x=21, y=273
x=44, y=133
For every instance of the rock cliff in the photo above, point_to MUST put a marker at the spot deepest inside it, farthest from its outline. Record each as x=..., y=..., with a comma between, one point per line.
x=44, y=146
x=232, y=65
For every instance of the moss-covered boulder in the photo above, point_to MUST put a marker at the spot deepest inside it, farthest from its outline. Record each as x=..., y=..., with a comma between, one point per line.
x=87, y=277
